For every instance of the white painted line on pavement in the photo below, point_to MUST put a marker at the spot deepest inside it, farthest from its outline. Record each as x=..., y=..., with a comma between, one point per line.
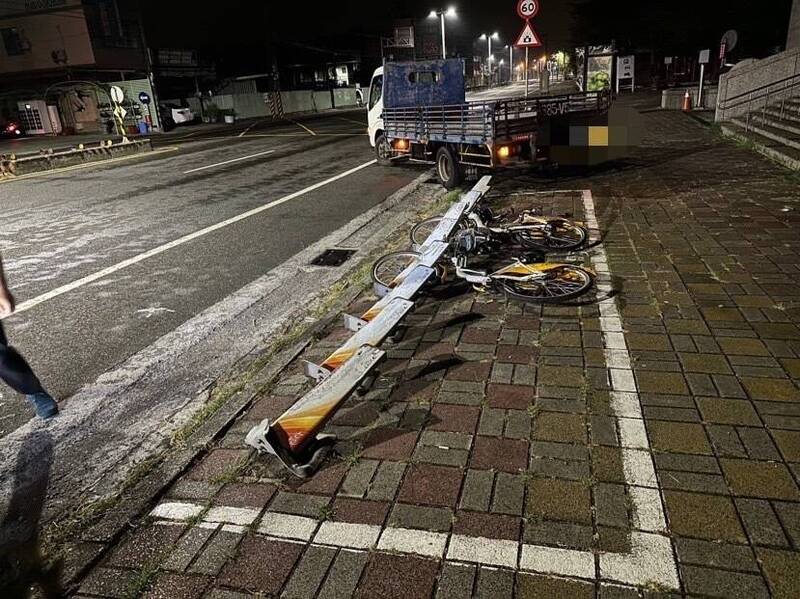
x=203, y=168
x=31, y=303
x=243, y=133
x=301, y=125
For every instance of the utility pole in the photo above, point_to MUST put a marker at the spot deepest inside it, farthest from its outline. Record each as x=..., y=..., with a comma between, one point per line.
x=443, y=14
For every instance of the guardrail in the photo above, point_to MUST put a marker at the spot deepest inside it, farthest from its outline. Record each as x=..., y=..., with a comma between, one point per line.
x=294, y=438
x=763, y=97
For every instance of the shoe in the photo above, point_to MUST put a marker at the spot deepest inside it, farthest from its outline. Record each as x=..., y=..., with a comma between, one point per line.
x=46, y=406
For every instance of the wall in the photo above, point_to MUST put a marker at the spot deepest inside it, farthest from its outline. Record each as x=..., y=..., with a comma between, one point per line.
x=43, y=34
x=793, y=39
x=750, y=76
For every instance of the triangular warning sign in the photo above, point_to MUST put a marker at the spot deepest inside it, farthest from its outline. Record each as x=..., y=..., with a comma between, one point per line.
x=528, y=38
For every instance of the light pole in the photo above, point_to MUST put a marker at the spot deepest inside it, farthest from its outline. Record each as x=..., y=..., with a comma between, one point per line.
x=442, y=14
x=494, y=36
x=510, y=62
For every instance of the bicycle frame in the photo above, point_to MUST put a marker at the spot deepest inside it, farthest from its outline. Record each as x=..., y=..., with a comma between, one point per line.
x=517, y=271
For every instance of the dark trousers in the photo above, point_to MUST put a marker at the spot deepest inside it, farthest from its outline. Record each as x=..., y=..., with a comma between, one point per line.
x=14, y=370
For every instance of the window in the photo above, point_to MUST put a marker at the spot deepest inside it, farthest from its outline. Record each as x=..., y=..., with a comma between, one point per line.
x=15, y=42
x=424, y=78
x=376, y=93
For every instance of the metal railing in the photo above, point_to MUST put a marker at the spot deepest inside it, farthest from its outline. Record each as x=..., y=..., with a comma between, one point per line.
x=767, y=96
x=483, y=122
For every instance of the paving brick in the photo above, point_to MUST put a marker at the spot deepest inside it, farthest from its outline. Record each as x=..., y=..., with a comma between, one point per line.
x=431, y=485
x=396, y=577
x=557, y=499
x=789, y=444
x=560, y=376
x=187, y=549
x=524, y=375
x=445, y=417
x=490, y=526
x=782, y=569
x=760, y=479
x=611, y=505
x=509, y=494
x=456, y=581
x=728, y=386
x=511, y=397
x=108, y=582
x=661, y=382
x=148, y=544
x=299, y=504
x=492, y=422
x=423, y=518
x=564, y=428
x=771, y=389
x=251, y=572
x=477, y=491
x=244, y=495
x=326, y=481
x=470, y=371
x=761, y=522
x=727, y=411
x=357, y=481
x=495, y=584
x=386, y=482
x=758, y=443
x=216, y=554
x=518, y=425
x=359, y=511
x=505, y=455
x=726, y=441
x=502, y=373
x=177, y=586
x=390, y=444
x=559, y=534
x=545, y=587
x=343, y=575
x=218, y=463
x=687, y=463
x=516, y=354
x=716, y=555
x=309, y=573
x=193, y=489
x=722, y=583
x=678, y=437
x=703, y=516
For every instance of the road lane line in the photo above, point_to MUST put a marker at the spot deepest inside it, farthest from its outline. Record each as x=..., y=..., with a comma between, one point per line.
x=203, y=168
x=301, y=125
x=27, y=305
x=243, y=133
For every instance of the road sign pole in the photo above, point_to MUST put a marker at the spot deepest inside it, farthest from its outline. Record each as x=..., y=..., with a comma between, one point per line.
x=527, y=73
x=702, y=80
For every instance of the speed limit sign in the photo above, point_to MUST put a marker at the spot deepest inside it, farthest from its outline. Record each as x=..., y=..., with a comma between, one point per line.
x=527, y=9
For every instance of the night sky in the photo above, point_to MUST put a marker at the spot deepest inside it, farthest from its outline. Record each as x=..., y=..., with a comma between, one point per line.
x=243, y=31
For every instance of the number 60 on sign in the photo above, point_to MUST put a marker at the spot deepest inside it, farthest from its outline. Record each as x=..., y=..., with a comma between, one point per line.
x=527, y=9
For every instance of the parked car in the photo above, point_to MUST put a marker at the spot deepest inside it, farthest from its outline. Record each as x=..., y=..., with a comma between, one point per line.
x=173, y=115
x=10, y=129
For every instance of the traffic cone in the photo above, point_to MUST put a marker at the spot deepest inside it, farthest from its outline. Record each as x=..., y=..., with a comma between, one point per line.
x=687, y=102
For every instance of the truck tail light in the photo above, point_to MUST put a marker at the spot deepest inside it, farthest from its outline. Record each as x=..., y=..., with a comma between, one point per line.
x=401, y=144
x=504, y=152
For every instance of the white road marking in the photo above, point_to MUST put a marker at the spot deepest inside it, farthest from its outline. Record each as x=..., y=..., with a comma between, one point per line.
x=301, y=125
x=32, y=303
x=150, y=312
x=243, y=133
x=204, y=168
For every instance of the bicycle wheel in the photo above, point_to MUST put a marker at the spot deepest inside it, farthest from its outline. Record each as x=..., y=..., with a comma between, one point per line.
x=558, y=235
x=565, y=283
x=388, y=268
x=423, y=230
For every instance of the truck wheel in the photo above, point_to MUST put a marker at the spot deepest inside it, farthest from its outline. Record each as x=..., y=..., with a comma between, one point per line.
x=450, y=171
x=383, y=151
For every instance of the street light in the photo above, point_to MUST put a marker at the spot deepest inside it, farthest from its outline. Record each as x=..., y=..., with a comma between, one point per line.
x=495, y=36
x=510, y=60
x=442, y=14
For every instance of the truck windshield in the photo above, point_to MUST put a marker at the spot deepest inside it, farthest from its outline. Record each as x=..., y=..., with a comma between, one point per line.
x=376, y=92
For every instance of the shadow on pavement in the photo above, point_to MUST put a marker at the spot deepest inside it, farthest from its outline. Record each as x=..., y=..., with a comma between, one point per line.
x=21, y=562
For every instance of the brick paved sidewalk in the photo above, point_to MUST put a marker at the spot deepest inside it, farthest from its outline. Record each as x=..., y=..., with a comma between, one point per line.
x=646, y=445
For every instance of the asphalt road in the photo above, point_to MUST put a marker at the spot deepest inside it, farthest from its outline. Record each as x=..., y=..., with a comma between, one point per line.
x=59, y=231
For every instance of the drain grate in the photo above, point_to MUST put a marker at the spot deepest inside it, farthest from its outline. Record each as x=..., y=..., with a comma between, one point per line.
x=334, y=257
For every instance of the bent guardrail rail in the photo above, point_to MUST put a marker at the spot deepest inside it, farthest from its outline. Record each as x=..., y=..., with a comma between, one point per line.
x=294, y=438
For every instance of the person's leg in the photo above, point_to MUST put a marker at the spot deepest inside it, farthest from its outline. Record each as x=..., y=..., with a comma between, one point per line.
x=16, y=373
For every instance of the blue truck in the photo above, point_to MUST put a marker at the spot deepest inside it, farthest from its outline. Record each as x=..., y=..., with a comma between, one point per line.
x=417, y=111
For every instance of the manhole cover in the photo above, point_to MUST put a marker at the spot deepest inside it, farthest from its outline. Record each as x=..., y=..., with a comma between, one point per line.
x=334, y=257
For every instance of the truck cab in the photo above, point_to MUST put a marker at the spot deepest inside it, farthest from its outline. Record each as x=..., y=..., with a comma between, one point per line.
x=375, y=106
